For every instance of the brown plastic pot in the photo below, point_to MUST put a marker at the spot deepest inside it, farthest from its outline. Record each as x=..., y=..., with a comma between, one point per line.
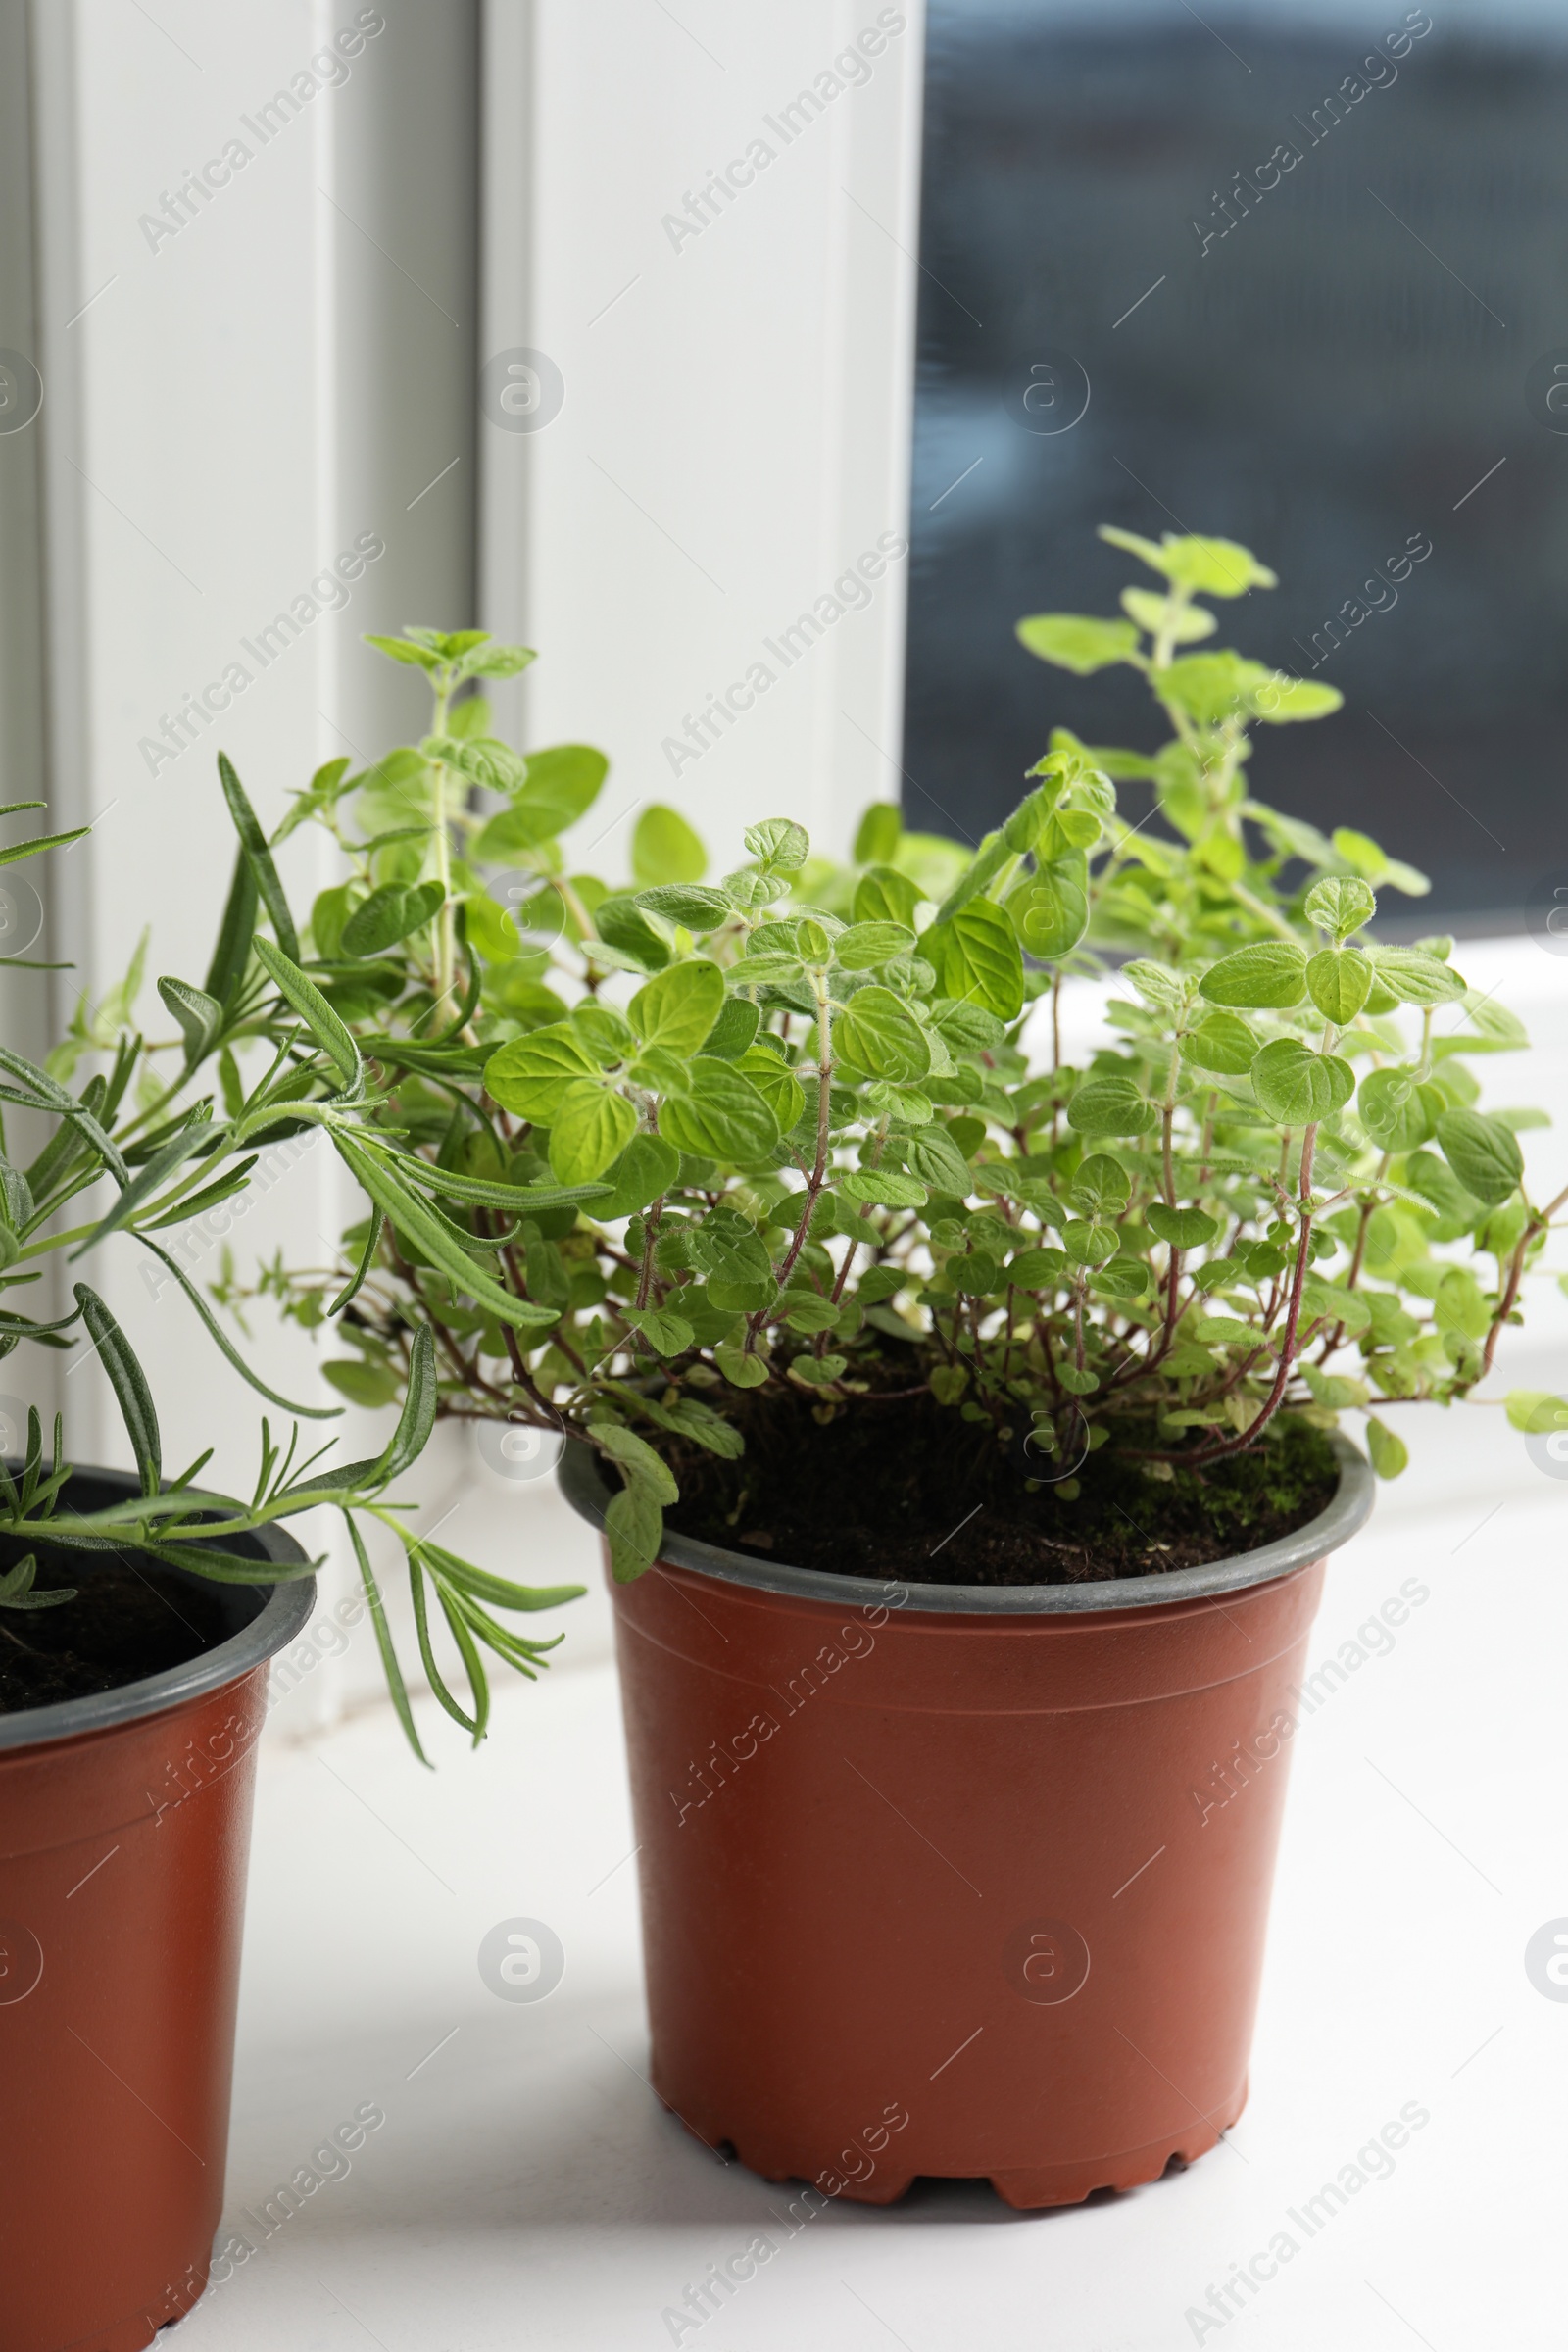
x=124, y=1828
x=957, y=1880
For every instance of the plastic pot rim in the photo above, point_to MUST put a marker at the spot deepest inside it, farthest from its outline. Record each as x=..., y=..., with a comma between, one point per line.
x=583, y=1487
x=284, y=1613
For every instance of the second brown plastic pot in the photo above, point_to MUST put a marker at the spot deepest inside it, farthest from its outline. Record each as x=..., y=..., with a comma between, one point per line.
x=942, y=1881
x=124, y=1830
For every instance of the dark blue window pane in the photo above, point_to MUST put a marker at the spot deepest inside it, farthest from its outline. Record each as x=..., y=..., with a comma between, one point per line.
x=1309, y=265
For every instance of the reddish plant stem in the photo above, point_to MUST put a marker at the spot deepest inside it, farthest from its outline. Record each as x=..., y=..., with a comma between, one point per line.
x=1538, y=1222
x=1276, y=1394
x=816, y=1180
x=644, y=1273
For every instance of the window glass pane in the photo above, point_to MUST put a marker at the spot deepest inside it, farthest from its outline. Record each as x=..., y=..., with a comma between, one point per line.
x=1305, y=266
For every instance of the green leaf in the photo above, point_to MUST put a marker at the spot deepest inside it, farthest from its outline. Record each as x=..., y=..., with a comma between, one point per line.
x=808, y=1312
x=1102, y=1183
x=1389, y=1454
x=906, y=1105
x=1165, y=990
x=885, y=895
x=482, y=758
x=623, y=925
x=975, y=954
x=1074, y=641
x=887, y=1188
x=765, y=969
x=877, y=836
x=1270, y=974
x=1461, y=1305
x=1535, y=1411
x=635, y=1527
x=592, y=1128
x=1035, y=1269
x=777, y=1085
x=734, y=1032
x=1123, y=1278
x=1205, y=567
x=1418, y=978
x=1332, y=1303
x=129, y=1384
x=935, y=1157
x=399, y=649
x=1112, y=1106
x=780, y=843
x=34, y=847
x=231, y=952
x=367, y=1259
x=316, y=1012
x=741, y=1370
x=1340, y=903
x=967, y=1028
x=260, y=858
x=384, y=1638
x=428, y=1231
x=607, y=1036
x=16, y=1588
x=530, y=1200
x=668, y=1334
x=639, y=1465
x=644, y=1172
x=1223, y=1043
x=561, y=785
x=487, y=659
x=193, y=1133
x=660, y=1071
x=1482, y=1153
x=664, y=849
x=1338, y=981
x=1213, y=687
x=865, y=946
x=722, y=1117
x=1182, y=1228
x=531, y=1075
x=688, y=903
x=417, y=1418
x=200, y=1017
x=1284, y=699
x=1397, y=1113
x=1299, y=1087
x=1182, y=623
x=1335, y=1389
x=876, y=1034
x=1051, y=909
x=44, y=1093
x=394, y=912
x=678, y=1009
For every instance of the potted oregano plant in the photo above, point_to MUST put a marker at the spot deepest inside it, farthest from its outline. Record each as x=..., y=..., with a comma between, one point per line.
x=979, y=1409
x=137, y=1616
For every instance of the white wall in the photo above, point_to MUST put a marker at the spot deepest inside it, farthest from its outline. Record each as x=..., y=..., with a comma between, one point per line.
x=229, y=406
x=735, y=424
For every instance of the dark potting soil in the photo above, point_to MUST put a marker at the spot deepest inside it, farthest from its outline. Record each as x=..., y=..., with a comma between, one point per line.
x=911, y=1491
x=130, y=1619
